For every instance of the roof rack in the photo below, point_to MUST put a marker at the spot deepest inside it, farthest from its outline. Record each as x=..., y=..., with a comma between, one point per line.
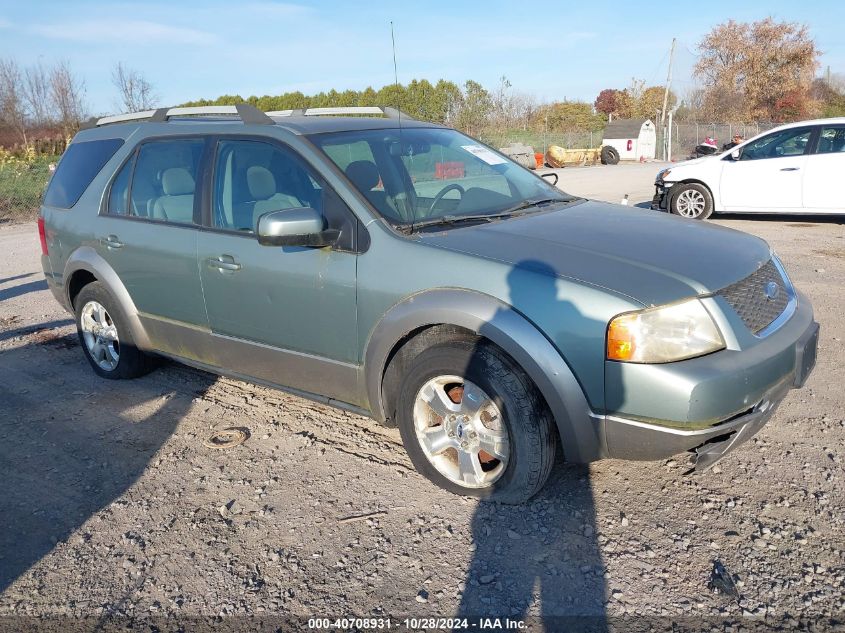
x=246, y=113
x=390, y=113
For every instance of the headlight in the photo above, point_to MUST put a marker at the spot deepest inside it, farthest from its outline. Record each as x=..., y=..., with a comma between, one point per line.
x=661, y=175
x=662, y=335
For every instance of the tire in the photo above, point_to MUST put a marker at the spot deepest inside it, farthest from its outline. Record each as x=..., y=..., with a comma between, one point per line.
x=691, y=200
x=609, y=155
x=105, y=337
x=516, y=414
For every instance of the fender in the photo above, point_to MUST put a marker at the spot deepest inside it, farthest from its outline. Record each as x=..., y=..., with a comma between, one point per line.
x=86, y=258
x=581, y=433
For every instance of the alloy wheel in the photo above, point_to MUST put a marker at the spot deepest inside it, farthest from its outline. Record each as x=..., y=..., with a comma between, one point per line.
x=461, y=431
x=690, y=203
x=100, y=335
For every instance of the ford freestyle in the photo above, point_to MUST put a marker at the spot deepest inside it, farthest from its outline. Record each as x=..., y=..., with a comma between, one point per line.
x=405, y=271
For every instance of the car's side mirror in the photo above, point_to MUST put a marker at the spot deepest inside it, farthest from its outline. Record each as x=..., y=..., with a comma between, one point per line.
x=302, y=226
x=549, y=175
x=735, y=154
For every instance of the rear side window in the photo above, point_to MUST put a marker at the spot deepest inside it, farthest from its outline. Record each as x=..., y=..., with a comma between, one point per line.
x=832, y=140
x=119, y=193
x=79, y=165
x=163, y=185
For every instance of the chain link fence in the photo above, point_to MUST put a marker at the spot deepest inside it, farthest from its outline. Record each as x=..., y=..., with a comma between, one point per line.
x=542, y=140
x=685, y=136
x=22, y=182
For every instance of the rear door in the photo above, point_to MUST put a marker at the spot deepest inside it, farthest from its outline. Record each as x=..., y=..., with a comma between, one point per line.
x=148, y=234
x=287, y=315
x=823, y=189
x=768, y=175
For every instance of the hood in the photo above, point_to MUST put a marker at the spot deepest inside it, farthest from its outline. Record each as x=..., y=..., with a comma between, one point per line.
x=695, y=161
x=649, y=256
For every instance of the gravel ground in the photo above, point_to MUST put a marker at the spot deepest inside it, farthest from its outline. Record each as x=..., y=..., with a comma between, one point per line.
x=111, y=505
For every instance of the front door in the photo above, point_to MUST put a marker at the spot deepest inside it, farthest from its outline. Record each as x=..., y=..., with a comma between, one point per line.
x=286, y=315
x=768, y=175
x=148, y=235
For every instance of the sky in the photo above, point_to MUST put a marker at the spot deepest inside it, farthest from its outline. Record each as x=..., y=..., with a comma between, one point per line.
x=551, y=50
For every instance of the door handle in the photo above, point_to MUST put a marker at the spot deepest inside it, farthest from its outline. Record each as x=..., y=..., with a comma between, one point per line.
x=224, y=263
x=790, y=169
x=111, y=242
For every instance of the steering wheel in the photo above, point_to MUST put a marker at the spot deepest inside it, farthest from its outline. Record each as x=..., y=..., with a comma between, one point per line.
x=443, y=192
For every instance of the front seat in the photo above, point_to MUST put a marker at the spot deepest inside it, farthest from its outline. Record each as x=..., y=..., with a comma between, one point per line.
x=262, y=189
x=364, y=175
x=177, y=203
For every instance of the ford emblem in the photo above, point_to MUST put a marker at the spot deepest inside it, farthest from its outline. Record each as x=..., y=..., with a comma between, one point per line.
x=772, y=290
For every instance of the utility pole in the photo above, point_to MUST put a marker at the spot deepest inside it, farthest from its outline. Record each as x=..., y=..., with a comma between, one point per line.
x=666, y=98
x=668, y=83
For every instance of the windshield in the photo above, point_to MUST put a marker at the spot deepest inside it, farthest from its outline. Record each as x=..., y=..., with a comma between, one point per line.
x=421, y=174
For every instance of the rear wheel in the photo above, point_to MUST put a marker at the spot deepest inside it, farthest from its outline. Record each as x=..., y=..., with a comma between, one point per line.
x=474, y=423
x=105, y=336
x=609, y=155
x=691, y=200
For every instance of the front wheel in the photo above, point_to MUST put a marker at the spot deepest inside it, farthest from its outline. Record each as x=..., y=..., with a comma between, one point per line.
x=691, y=200
x=474, y=423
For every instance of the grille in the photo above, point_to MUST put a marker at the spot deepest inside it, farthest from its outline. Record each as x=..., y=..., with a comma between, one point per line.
x=748, y=297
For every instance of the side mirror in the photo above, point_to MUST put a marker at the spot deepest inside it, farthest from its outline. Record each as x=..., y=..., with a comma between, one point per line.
x=302, y=226
x=735, y=154
x=549, y=175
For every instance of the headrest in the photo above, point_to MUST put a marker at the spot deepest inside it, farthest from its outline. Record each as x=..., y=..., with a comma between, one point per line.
x=177, y=181
x=363, y=174
x=261, y=183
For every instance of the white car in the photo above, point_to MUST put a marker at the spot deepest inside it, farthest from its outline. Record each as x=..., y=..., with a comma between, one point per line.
x=795, y=168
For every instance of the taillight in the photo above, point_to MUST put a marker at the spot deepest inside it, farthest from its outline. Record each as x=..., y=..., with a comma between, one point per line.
x=42, y=235
x=630, y=144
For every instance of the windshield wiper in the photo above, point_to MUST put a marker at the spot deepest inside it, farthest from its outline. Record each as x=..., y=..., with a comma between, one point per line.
x=449, y=220
x=540, y=202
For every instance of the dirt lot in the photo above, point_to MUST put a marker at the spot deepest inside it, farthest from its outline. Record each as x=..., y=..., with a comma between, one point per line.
x=111, y=505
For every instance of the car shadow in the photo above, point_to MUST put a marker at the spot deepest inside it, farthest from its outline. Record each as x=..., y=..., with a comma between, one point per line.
x=83, y=443
x=30, y=329
x=16, y=277
x=541, y=560
x=22, y=289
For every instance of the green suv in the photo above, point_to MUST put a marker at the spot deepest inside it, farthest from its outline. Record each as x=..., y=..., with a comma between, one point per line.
x=405, y=271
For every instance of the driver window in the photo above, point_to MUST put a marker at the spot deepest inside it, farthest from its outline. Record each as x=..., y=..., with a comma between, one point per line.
x=253, y=178
x=792, y=142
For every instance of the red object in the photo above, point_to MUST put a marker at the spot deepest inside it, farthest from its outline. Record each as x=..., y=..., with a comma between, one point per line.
x=538, y=159
x=630, y=144
x=449, y=169
x=42, y=235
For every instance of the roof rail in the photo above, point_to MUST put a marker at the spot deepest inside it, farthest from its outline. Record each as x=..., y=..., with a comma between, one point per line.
x=246, y=113
x=390, y=113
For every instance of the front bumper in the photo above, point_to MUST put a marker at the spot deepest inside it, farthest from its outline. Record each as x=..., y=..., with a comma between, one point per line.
x=660, y=201
x=729, y=396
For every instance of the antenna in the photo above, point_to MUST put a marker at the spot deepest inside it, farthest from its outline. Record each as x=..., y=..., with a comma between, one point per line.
x=395, y=72
x=406, y=202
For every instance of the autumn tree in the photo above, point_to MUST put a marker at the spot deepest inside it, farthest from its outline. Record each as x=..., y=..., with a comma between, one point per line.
x=12, y=104
x=608, y=102
x=135, y=92
x=67, y=94
x=747, y=69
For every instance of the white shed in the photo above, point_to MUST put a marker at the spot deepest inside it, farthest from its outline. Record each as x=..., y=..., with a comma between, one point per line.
x=634, y=139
